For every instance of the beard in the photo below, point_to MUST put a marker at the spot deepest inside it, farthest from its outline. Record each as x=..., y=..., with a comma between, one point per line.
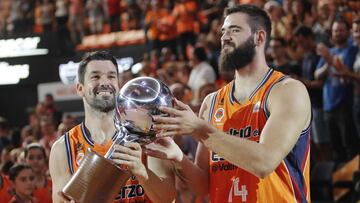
x=340, y=40
x=239, y=57
x=102, y=103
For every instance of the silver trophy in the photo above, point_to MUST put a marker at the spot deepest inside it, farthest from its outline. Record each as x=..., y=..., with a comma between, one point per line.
x=98, y=179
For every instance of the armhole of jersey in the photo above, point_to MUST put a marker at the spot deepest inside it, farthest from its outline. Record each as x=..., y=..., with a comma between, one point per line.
x=68, y=152
x=212, y=105
x=266, y=110
x=307, y=129
x=265, y=107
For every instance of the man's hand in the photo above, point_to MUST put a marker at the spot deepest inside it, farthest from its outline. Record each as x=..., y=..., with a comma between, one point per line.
x=164, y=148
x=182, y=121
x=324, y=51
x=129, y=156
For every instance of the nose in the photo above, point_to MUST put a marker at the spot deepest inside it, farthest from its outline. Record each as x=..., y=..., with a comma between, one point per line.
x=225, y=36
x=104, y=81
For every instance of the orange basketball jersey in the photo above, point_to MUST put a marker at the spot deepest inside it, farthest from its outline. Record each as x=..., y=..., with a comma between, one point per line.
x=43, y=195
x=77, y=140
x=229, y=183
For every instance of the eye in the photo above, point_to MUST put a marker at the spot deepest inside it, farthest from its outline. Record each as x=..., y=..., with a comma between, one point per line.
x=235, y=30
x=112, y=76
x=95, y=77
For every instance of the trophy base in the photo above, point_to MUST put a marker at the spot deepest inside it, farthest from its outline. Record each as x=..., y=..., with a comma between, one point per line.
x=96, y=180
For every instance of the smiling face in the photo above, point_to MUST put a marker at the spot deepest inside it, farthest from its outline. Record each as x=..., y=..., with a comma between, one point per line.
x=100, y=85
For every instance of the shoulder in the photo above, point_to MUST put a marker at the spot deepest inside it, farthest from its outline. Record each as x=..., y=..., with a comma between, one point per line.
x=57, y=153
x=289, y=93
x=206, y=105
x=290, y=86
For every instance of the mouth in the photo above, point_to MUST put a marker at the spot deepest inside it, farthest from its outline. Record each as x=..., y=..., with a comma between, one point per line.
x=104, y=91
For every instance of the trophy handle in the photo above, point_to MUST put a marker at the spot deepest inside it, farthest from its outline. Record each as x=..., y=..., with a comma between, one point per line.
x=97, y=180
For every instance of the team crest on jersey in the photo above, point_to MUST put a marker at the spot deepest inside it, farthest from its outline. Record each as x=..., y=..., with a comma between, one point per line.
x=219, y=114
x=256, y=107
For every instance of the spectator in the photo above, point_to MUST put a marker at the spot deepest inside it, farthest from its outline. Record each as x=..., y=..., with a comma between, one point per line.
x=22, y=181
x=16, y=18
x=47, y=15
x=326, y=11
x=202, y=73
x=344, y=71
x=184, y=13
x=96, y=10
x=76, y=20
x=50, y=109
x=35, y=156
x=306, y=39
x=274, y=10
x=63, y=35
x=281, y=61
x=114, y=13
x=5, y=134
x=337, y=91
x=152, y=24
x=49, y=134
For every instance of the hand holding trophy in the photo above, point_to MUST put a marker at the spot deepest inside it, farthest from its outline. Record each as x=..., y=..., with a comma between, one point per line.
x=99, y=179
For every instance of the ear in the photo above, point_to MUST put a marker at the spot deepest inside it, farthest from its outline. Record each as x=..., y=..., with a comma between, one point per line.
x=260, y=37
x=80, y=89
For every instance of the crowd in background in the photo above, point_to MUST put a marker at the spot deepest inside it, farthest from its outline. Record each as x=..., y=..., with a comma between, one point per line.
x=314, y=41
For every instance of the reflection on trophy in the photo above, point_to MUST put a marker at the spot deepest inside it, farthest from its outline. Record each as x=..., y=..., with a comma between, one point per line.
x=98, y=179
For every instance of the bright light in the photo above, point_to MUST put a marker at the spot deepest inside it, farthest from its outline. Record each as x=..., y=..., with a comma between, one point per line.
x=68, y=72
x=11, y=74
x=21, y=47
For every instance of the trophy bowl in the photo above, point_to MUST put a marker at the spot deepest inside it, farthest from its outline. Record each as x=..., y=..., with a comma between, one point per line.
x=137, y=102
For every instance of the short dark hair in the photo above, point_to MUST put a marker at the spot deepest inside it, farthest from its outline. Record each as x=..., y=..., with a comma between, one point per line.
x=95, y=56
x=341, y=20
x=304, y=31
x=16, y=169
x=258, y=18
x=200, y=53
x=34, y=146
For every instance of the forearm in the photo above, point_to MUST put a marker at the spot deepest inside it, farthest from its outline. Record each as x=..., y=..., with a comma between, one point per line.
x=155, y=186
x=193, y=176
x=322, y=73
x=255, y=159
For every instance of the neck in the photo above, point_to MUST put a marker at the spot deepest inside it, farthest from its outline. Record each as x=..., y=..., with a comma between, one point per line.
x=99, y=124
x=249, y=77
x=24, y=197
x=342, y=45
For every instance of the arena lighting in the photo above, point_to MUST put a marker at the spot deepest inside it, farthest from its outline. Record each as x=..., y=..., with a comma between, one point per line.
x=21, y=47
x=11, y=74
x=68, y=71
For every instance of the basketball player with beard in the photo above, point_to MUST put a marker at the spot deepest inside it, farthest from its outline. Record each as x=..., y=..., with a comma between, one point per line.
x=98, y=84
x=253, y=133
